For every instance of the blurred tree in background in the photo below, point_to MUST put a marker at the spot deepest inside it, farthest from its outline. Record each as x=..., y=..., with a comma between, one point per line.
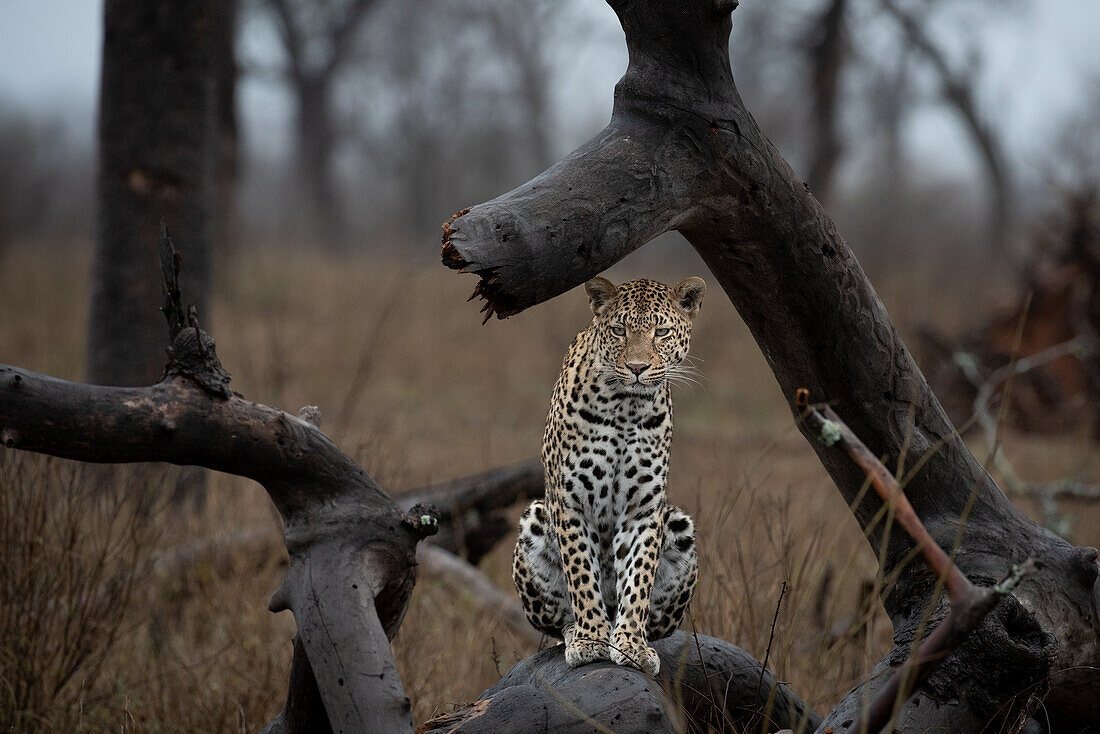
x=318, y=38
x=160, y=143
x=367, y=122
x=842, y=80
x=390, y=97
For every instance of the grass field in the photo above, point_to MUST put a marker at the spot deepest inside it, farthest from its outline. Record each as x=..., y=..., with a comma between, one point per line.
x=412, y=386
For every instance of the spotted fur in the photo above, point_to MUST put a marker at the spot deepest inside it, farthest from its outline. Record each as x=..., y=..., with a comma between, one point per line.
x=605, y=562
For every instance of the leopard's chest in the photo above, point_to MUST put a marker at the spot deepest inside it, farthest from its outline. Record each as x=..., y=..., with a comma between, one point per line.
x=602, y=450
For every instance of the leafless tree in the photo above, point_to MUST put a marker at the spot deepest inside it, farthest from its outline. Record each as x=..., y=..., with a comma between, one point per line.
x=958, y=88
x=318, y=39
x=416, y=109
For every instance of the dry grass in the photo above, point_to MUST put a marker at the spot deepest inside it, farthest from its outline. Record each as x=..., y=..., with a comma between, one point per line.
x=418, y=392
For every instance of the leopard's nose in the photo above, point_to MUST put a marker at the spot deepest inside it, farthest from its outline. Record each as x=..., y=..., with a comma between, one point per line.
x=637, y=367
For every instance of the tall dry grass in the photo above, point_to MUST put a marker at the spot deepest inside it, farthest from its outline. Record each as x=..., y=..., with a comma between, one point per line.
x=417, y=391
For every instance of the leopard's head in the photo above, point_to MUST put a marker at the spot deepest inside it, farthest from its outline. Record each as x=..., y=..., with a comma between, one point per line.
x=643, y=328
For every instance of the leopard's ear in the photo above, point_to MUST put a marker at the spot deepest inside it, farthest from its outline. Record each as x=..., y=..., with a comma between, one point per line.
x=688, y=295
x=601, y=294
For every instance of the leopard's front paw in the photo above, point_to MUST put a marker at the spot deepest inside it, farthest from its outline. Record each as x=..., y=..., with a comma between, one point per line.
x=634, y=652
x=582, y=647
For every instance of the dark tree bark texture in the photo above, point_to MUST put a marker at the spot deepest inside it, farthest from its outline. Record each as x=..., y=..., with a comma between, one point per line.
x=682, y=152
x=158, y=152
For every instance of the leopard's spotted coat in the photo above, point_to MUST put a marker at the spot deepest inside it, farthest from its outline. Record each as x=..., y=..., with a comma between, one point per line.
x=604, y=562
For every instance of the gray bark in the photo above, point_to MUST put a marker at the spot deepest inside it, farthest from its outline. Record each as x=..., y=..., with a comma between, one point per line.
x=708, y=682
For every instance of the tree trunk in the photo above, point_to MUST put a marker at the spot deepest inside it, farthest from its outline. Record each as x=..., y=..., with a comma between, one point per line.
x=826, y=54
x=228, y=155
x=958, y=92
x=158, y=148
x=682, y=152
x=316, y=137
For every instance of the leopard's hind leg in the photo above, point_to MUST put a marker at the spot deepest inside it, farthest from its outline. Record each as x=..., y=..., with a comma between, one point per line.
x=674, y=583
x=538, y=576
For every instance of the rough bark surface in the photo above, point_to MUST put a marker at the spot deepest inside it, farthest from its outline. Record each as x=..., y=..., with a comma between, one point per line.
x=158, y=152
x=682, y=152
x=704, y=682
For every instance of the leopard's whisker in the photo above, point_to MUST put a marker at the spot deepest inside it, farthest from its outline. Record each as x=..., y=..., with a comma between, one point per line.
x=688, y=374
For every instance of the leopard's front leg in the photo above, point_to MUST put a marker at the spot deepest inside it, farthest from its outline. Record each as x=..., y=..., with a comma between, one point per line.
x=638, y=538
x=587, y=637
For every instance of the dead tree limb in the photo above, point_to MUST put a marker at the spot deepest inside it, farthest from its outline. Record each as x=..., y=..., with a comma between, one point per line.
x=493, y=489
x=464, y=578
x=704, y=682
x=1047, y=492
x=352, y=550
x=470, y=519
x=682, y=152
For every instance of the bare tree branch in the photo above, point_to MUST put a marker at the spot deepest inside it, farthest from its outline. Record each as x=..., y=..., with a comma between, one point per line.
x=681, y=152
x=352, y=550
x=471, y=521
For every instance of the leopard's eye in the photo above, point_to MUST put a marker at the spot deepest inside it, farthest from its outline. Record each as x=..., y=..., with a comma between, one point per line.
x=663, y=331
x=618, y=331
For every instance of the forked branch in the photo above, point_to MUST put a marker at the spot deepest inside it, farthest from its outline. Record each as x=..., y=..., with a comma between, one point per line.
x=352, y=550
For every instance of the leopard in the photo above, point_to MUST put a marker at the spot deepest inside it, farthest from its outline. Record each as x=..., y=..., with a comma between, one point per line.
x=603, y=561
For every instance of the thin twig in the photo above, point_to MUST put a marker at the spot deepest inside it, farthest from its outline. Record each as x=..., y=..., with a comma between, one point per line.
x=969, y=604
x=771, y=637
x=1047, y=493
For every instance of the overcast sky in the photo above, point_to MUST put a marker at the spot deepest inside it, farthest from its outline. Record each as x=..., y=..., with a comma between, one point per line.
x=1035, y=60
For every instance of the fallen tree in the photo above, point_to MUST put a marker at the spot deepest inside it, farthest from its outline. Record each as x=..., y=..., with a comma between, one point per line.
x=705, y=684
x=352, y=550
x=682, y=153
